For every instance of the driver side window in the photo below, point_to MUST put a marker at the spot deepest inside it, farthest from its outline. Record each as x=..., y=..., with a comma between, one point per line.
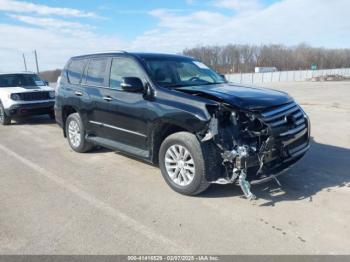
x=123, y=67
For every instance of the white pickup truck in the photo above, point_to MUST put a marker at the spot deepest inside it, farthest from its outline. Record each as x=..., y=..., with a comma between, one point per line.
x=23, y=94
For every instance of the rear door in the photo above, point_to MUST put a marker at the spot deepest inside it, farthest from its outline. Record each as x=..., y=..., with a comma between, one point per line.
x=72, y=91
x=95, y=82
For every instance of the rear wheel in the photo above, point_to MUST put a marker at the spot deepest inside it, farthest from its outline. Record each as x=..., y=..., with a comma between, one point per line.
x=76, y=134
x=4, y=119
x=182, y=163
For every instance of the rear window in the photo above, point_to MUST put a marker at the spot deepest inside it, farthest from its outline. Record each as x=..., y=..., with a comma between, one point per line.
x=96, y=72
x=75, y=71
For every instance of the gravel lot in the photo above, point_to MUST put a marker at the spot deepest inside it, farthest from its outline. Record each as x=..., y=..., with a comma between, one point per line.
x=55, y=201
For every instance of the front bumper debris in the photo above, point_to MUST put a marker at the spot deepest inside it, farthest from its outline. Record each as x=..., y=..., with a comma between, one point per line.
x=257, y=147
x=245, y=186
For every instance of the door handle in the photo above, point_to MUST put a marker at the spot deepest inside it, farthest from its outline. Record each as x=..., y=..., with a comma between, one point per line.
x=107, y=98
x=77, y=93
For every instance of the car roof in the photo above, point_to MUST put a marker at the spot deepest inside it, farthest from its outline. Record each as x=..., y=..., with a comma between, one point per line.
x=18, y=73
x=159, y=55
x=135, y=54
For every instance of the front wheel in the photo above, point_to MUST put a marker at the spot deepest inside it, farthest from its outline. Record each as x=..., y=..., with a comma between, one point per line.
x=76, y=134
x=4, y=119
x=182, y=164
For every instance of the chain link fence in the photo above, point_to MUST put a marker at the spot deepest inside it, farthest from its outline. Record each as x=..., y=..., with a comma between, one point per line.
x=285, y=76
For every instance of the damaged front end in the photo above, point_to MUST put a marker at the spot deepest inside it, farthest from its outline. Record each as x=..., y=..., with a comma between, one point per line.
x=256, y=145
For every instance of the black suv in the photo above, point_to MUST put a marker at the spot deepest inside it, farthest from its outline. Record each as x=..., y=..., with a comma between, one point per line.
x=174, y=111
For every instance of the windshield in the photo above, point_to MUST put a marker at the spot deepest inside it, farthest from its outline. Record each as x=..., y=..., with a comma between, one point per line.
x=22, y=80
x=180, y=72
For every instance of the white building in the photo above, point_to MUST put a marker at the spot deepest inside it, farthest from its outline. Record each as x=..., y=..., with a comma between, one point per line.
x=265, y=69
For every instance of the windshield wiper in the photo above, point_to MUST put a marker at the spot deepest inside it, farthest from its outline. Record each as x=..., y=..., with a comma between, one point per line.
x=183, y=85
x=173, y=86
x=208, y=84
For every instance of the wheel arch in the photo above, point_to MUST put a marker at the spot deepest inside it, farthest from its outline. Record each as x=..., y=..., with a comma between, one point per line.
x=66, y=111
x=160, y=131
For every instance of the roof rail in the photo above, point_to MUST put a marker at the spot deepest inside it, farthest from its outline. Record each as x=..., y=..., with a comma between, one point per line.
x=103, y=52
x=111, y=51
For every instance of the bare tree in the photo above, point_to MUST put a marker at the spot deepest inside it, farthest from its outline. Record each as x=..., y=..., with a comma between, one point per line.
x=50, y=76
x=244, y=58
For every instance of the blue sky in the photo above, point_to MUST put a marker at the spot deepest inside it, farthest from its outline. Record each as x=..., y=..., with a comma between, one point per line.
x=131, y=18
x=59, y=29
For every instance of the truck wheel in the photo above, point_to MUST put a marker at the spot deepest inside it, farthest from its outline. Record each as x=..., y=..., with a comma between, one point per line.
x=4, y=119
x=76, y=134
x=182, y=164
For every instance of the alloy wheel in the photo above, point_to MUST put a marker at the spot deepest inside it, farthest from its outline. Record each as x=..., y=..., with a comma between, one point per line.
x=179, y=165
x=2, y=114
x=74, y=133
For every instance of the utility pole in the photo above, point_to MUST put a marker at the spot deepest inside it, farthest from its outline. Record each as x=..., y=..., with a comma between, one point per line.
x=25, y=63
x=36, y=61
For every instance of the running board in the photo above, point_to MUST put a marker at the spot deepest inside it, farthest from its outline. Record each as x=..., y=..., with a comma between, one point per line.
x=118, y=146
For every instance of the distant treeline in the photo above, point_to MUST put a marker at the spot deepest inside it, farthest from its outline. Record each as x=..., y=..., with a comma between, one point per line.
x=244, y=58
x=51, y=76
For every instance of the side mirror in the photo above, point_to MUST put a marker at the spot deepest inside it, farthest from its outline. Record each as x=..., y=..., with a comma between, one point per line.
x=132, y=84
x=223, y=77
x=47, y=83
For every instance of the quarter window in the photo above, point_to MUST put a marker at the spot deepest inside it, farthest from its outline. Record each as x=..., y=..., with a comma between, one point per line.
x=75, y=71
x=123, y=67
x=96, y=72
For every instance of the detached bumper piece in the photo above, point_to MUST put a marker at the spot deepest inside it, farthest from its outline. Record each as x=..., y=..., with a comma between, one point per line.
x=245, y=186
x=31, y=109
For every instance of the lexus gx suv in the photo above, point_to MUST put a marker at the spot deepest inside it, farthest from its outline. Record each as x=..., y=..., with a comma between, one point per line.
x=176, y=112
x=24, y=94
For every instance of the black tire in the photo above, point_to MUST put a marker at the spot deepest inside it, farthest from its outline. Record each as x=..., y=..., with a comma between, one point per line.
x=191, y=143
x=4, y=119
x=83, y=146
x=52, y=116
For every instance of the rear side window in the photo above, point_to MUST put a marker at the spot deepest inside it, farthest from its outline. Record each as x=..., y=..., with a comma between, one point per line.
x=123, y=67
x=75, y=71
x=96, y=72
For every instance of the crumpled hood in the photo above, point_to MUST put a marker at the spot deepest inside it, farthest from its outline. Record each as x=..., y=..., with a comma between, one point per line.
x=245, y=97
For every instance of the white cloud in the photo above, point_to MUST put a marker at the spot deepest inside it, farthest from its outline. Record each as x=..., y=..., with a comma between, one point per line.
x=238, y=5
x=27, y=7
x=50, y=23
x=317, y=22
x=190, y=2
x=169, y=19
x=55, y=39
x=54, y=48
